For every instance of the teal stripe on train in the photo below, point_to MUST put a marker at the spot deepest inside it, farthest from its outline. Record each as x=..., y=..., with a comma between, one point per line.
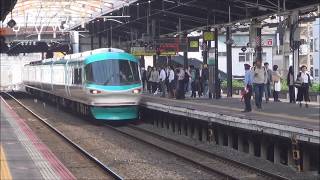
x=115, y=113
x=113, y=88
x=110, y=56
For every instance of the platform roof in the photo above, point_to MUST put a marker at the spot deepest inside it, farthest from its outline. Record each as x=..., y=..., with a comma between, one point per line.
x=29, y=13
x=193, y=14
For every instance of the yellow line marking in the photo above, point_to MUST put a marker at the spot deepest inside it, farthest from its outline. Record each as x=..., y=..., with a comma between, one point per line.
x=253, y=112
x=5, y=171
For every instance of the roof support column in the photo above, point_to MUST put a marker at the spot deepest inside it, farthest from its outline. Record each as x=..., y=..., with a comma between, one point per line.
x=154, y=61
x=75, y=41
x=294, y=41
x=169, y=60
x=92, y=34
x=258, y=45
x=185, y=53
x=99, y=41
x=229, y=62
x=216, y=65
x=142, y=61
x=91, y=41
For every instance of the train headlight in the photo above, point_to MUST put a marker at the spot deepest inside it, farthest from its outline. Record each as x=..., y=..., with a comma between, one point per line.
x=92, y=91
x=136, y=91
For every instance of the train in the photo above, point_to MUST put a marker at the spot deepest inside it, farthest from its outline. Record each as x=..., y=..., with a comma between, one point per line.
x=104, y=84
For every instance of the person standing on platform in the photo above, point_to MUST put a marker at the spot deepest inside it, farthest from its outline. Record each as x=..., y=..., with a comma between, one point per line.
x=268, y=83
x=193, y=81
x=187, y=79
x=149, y=83
x=171, y=82
x=259, y=80
x=247, y=88
x=276, y=83
x=144, y=78
x=205, y=79
x=181, y=84
x=200, y=89
x=290, y=83
x=303, y=90
x=163, y=78
x=154, y=79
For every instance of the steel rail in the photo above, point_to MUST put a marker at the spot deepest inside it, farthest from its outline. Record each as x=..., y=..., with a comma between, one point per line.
x=227, y=176
x=64, y=137
x=261, y=171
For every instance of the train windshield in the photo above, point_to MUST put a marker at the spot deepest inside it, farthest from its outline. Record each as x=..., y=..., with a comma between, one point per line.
x=112, y=72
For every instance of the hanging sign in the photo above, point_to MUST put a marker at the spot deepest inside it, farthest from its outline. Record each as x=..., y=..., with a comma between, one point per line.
x=193, y=44
x=208, y=36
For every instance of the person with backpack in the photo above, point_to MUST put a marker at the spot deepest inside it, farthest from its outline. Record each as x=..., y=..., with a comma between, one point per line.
x=259, y=81
x=303, y=89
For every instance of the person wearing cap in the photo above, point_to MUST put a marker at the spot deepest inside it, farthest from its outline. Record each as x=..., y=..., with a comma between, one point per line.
x=267, y=89
x=248, y=81
x=303, y=90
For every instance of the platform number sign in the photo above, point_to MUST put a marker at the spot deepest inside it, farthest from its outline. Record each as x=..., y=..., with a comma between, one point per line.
x=208, y=36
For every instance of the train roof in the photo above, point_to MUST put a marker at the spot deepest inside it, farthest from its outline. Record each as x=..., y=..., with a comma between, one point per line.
x=74, y=57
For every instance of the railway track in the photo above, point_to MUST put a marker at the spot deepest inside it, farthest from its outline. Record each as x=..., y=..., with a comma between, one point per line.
x=81, y=150
x=212, y=163
x=225, y=167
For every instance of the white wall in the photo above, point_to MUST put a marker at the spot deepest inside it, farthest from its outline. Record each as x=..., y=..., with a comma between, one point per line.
x=11, y=68
x=316, y=52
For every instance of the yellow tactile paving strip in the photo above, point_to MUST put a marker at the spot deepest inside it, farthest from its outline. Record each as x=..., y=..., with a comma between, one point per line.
x=5, y=171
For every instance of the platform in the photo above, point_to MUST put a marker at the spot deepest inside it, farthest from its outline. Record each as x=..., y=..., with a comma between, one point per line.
x=23, y=155
x=276, y=118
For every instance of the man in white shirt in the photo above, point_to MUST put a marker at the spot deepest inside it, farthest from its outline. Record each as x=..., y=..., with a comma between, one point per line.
x=171, y=81
x=163, y=77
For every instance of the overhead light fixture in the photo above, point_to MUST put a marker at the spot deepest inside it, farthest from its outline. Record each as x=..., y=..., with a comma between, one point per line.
x=115, y=16
x=169, y=1
x=115, y=20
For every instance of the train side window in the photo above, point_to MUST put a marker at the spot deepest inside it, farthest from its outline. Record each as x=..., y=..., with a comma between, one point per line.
x=77, y=76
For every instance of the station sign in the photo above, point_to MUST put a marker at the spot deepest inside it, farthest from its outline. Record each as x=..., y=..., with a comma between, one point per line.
x=142, y=51
x=208, y=35
x=164, y=47
x=193, y=44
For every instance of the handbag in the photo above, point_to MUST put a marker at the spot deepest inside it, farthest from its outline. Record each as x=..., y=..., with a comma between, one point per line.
x=297, y=84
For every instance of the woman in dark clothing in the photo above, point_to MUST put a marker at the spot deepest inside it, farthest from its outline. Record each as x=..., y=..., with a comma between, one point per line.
x=290, y=83
x=303, y=91
x=194, y=88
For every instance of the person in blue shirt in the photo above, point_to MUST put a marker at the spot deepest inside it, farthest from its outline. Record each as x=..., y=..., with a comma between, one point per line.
x=248, y=81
